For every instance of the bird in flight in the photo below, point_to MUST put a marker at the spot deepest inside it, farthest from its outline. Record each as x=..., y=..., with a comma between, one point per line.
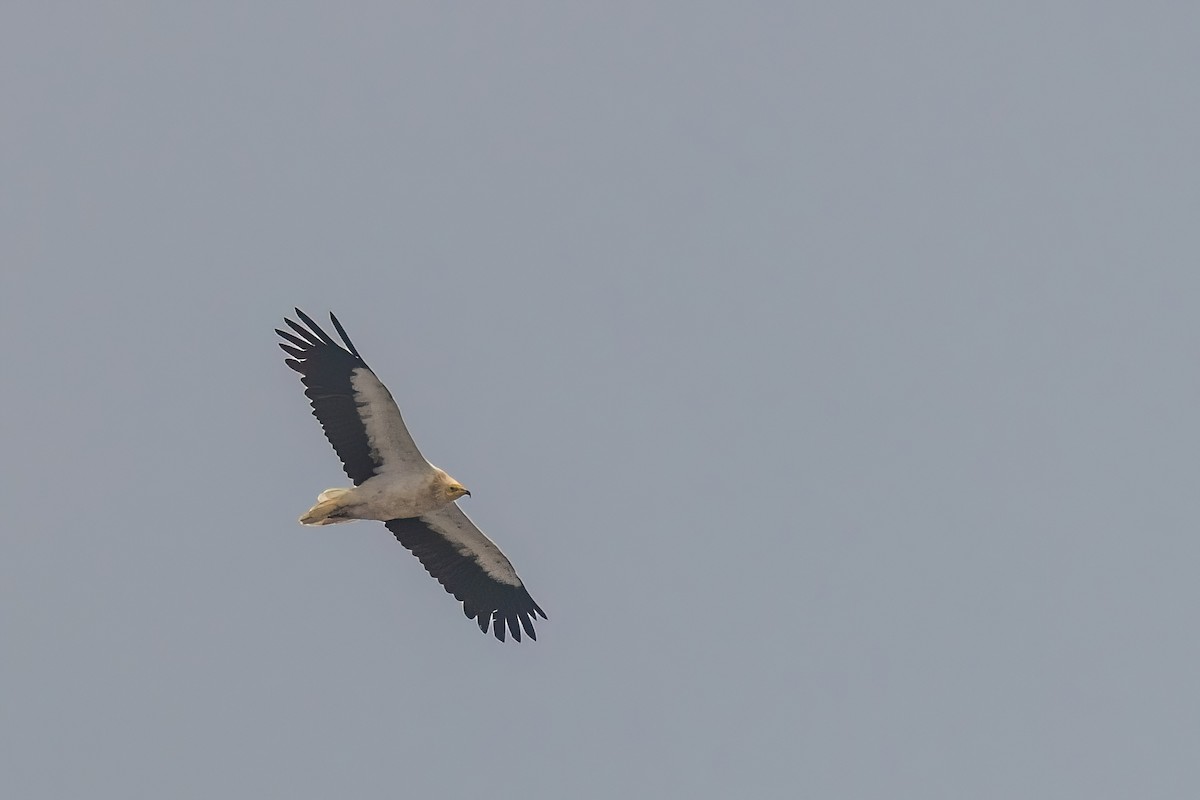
x=394, y=483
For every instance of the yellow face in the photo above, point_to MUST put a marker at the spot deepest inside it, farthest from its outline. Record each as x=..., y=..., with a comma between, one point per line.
x=456, y=490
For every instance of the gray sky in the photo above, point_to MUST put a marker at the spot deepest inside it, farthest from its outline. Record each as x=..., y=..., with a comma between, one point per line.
x=829, y=374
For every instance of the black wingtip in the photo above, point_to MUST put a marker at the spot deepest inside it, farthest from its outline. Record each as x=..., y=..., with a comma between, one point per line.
x=310, y=338
x=316, y=329
x=296, y=340
x=342, y=333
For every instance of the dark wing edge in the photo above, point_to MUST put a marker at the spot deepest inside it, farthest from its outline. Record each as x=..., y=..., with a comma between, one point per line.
x=325, y=369
x=485, y=599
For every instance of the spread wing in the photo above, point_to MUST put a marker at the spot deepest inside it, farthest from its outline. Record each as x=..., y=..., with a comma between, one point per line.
x=471, y=567
x=358, y=414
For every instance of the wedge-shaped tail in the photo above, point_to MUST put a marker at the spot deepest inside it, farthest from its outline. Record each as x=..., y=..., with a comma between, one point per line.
x=328, y=503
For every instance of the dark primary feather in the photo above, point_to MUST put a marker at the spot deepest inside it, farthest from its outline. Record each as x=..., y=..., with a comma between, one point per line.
x=484, y=599
x=325, y=369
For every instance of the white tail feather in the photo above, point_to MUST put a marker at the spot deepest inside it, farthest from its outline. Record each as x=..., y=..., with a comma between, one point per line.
x=327, y=504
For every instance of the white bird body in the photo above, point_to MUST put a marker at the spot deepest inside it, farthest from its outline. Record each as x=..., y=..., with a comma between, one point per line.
x=390, y=495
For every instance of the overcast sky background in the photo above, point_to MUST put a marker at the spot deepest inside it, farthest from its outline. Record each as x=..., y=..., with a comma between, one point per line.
x=829, y=374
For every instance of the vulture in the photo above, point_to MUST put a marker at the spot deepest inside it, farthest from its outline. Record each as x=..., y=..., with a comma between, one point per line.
x=393, y=483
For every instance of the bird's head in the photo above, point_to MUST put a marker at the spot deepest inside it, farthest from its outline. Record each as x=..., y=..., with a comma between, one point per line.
x=447, y=487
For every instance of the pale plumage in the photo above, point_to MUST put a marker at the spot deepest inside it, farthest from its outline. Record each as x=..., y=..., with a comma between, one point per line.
x=394, y=483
